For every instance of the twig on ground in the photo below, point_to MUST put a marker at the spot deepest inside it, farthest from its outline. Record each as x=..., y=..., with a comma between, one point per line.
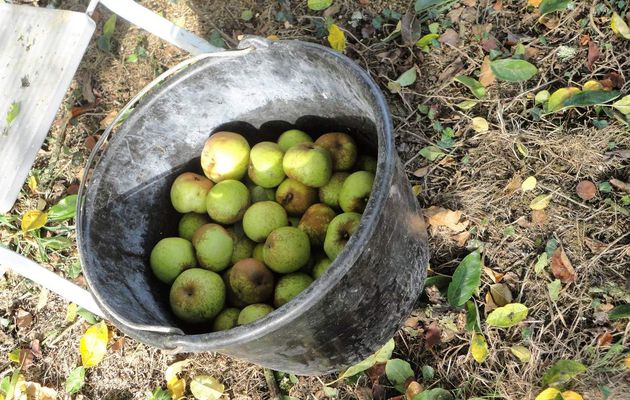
x=274, y=390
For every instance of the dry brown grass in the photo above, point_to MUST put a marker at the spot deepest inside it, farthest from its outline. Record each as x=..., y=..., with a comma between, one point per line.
x=562, y=150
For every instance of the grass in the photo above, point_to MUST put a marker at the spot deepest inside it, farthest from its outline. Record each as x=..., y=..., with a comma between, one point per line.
x=560, y=150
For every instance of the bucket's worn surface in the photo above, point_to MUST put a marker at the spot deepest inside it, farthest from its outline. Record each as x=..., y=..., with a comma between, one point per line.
x=346, y=314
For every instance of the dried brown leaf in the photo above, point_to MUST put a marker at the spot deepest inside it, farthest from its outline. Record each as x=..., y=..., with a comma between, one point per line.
x=118, y=344
x=486, y=76
x=469, y=3
x=604, y=339
x=595, y=245
x=410, y=28
x=36, y=349
x=490, y=304
x=584, y=40
x=498, y=6
x=413, y=389
x=534, y=3
x=449, y=37
x=23, y=319
x=496, y=277
x=514, y=184
x=432, y=335
x=593, y=54
x=84, y=78
x=375, y=372
x=539, y=217
x=620, y=185
x=449, y=72
x=461, y=238
x=501, y=294
x=378, y=392
x=421, y=172
x=455, y=14
x=561, y=266
x=550, y=22
x=616, y=79
x=586, y=190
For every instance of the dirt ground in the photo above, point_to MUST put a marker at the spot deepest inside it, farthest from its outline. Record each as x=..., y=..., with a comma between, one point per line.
x=480, y=174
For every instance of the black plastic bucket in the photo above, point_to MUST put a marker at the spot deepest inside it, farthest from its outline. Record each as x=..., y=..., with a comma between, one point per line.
x=355, y=307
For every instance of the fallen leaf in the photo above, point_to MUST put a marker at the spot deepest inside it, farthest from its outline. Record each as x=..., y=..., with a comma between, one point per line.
x=474, y=85
x=93, y=344
x=375, y=372
x=513, y=184
x=486, y=76
x=318, y=5
x=431, y=153
x=410, y=30
x=461, y=238
x=205, y=387
x=109, y=118
x=539, y=217
x=604, y=339
x=33, y=219
x=513, y=70
x=36, y=348
x=549, y=394
x=32, y=183
x=533, y=3
x=595, y=245
x=540, y=202
x=432, y=335
x=26, y=359
x=554, y=290
x=562, y=371
x=421, y=172
x=620, y=185
x=479, y=124
x=626, y=361
x=571, y=395
x=551, y=22
x=449, y=37
x=469, y=3
x=584, y=40
x=75, y=380
x=522, y=353
x=479, y=348
x=118, y=344
x=90, y=142
x=489, y=304
x=498, y=6
x=507, y=316
x=413, y=389
x=616, y=79
x=501, y=294
x=438, y=216
x=529, y=184
x=619, y=26
x=623, y=105
x=561, y=267
x=593, y=54
x=489, y=44
x=549, y=6
x=541, y=263
x=336, y=38
x=23, y=319
x=557, y=98
x=451, y=71
x=177, y=387
x=586, y=190
x=496, y=277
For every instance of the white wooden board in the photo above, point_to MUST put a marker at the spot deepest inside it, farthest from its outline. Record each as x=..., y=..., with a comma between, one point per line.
x=40, y=50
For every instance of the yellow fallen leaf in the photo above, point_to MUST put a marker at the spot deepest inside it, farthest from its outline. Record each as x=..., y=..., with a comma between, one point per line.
x=479, y=124
x=529, y=183
x=33, y=219
x=205, y=387
x=438, y=216
x=557, y=98
x=171, y=372
x=32, y=183
x=540, y=202
x=71, y=312
x=416, y=189
x=571, y=395
x=522, y=353
x=623, y=105
x=619, y=26
x=479, y=348
x=177, y=387
x=336, y=38
x=93, y=344
x=592, y=85
x=548, y=394
x=626, y=361
x=273, y=38
x=534, y=3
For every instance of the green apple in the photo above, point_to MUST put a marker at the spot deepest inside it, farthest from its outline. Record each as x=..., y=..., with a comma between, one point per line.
x=287, y=249
x=259, y=193
x=315, y=222
x=290, y=286
x=189, y=191
x=262, y=218
x=342, y=148
x=197, y=295
x=308, y=164
x=227, y=319
x=170, y=257
x=295, y=197
x=253, y=312
x=292, y=137
x=258, y=252
x=321, y=266
x=355, y=191
x=329, y=193
x=249, y=282
x=225, y=156
x=243, y=246
x=265, y=164
x=339, y=231
x=189, y=223
x=366, y=163
x=227, y=201
x=214, y=247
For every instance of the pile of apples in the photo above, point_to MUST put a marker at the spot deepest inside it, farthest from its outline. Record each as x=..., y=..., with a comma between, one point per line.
x=269, y=236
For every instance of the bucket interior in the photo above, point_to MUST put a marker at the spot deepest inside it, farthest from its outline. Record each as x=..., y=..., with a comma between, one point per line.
x=127, y=210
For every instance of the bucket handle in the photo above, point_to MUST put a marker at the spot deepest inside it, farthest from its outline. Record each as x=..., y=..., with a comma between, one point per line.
x=159, y=26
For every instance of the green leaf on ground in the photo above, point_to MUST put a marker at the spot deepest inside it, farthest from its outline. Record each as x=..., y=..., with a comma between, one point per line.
x=473, y=84
x=623, y=105
x=590, y=98
x=548, y=6
x=562, y=372
x=216, y=40
x=507, y=316
x=56, y=242
x=427, y=373
x=479, y=348
x=466, y=104
x=382, y=355
x=405, y=79
x=513, y=70
x=398, y=371
x=426, y=40
x=14, y=111
x=431, y=153
x=471, y=316
x=422, y=5
x=619, y=26
x=318, y=5
x=110, y=25
x=247, y=15
x=75, y=380
x=434, y=394
x=65, y=209
x=132, y=58
x=160, y=394
x=540, y=202
x=541, y=263
x=554, y=289
x=466, y=280
x=522, y=353
x=619, y=312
